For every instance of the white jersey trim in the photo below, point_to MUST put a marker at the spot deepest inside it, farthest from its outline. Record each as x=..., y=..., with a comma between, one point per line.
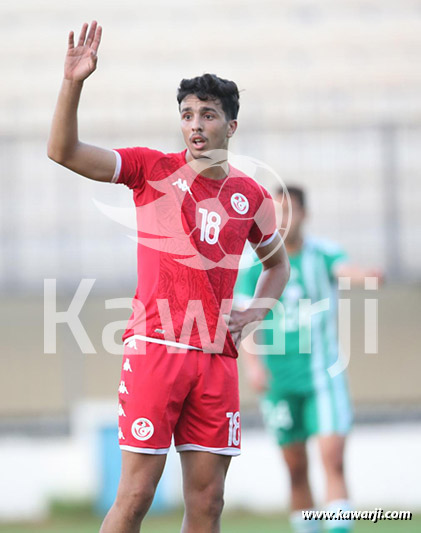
x=148, y=451
x=268, y=240
x=162, y=341
x=198, y=448
x=117, y=167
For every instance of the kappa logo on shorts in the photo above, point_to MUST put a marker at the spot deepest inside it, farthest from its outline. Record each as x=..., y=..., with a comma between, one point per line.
x=239, y=203
x=122, y=389
x=126, y=366
x=131, y=343
x=142, y=429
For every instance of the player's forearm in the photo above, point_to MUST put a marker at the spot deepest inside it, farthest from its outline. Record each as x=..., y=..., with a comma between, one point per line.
x=270, y=286
x=64, y=140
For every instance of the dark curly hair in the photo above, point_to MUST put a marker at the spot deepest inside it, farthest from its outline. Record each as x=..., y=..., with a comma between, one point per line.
x=211, y=87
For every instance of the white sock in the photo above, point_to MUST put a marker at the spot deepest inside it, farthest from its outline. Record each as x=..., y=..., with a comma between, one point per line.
x=333, y=507
x=299, y=525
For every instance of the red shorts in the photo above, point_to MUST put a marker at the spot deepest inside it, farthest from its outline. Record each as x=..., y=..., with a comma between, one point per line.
x=186, y=393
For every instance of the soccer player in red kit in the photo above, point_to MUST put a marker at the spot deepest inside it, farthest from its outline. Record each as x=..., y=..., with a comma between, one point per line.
x=194, y=214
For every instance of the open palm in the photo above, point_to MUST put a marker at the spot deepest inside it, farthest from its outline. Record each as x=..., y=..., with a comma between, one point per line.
x=81, y=60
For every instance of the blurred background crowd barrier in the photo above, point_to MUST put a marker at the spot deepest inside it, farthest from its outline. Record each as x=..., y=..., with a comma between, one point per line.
x=331, y=100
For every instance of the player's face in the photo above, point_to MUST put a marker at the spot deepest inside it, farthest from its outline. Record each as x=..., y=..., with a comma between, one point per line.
x=297, y=217
x=204, y=126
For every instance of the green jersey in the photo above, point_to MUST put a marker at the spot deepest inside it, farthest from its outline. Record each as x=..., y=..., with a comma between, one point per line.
x=302, y=344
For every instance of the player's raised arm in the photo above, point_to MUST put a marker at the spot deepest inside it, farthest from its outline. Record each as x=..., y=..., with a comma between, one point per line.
x=64, y=146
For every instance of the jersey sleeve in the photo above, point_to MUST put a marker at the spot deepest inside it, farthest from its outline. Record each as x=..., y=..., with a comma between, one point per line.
x=131, y=167
x=263, y=230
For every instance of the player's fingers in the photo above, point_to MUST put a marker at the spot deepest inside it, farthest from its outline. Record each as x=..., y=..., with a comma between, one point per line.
x=82, y=35
x=97, y=39
x=234, y=321
x=234, y=327
x=91, y=33
x=94, y=58
x=71, y=42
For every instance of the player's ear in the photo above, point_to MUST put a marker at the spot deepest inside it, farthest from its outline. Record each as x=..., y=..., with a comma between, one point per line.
x=232, y=126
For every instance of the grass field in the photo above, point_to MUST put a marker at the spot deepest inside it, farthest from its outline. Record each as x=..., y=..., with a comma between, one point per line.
x=83, y=521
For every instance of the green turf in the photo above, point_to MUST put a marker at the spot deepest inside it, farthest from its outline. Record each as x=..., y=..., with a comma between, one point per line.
x=84, y=522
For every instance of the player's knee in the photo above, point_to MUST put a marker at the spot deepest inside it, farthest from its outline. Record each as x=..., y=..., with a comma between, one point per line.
x=334, y=461
x=298, y=476
x=208, y=502
x=214, y=505
x=135, y=501
x=335, y=464
x=298, y=471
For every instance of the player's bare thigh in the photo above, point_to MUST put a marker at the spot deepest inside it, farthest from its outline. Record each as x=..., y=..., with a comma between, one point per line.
x=204, y=476
x=140, y=472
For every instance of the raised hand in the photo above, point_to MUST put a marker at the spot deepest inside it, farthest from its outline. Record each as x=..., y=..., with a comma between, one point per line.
x=81, y=60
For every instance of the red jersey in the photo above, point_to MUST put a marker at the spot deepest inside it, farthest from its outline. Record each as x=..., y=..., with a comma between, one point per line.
x=191, y=234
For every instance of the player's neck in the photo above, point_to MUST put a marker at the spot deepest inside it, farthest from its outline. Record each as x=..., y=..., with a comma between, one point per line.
x=205, y=167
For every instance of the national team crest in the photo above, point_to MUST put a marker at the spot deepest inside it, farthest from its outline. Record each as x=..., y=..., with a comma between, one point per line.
x=161, y=224
x=239, y=203
x=142, y=429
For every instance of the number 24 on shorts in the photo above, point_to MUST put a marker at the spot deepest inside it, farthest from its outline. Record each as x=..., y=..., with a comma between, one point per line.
x=234, y=428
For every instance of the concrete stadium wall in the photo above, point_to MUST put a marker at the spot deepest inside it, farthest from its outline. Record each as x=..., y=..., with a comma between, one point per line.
x=34, y=383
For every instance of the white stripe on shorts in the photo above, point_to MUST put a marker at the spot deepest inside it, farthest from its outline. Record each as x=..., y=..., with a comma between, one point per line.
x=149, y=451
x=162, y=341
x=198, y=448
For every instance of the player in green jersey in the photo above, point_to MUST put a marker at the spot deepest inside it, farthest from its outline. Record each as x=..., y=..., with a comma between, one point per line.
x=300, y=398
